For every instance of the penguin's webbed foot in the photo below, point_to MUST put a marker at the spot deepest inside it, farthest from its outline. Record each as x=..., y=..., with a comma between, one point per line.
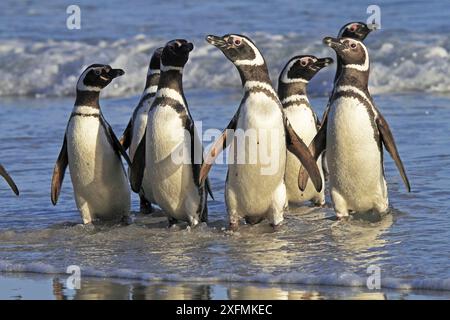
x=319, y=204
x=126, y=220
x=234, y=226
x=276, y=227
x=342, y=217
x=172, y=222
x=145, y=206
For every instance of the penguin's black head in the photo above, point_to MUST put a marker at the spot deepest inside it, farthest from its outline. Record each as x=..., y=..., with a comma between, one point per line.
x=155, y=61
x=176, y=53
x=353, y=53
x=303, y=68
x=354, y=30
x=97, y=76
x=238, y=49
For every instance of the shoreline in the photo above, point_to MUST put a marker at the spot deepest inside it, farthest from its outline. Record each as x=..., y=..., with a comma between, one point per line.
x=56, y=287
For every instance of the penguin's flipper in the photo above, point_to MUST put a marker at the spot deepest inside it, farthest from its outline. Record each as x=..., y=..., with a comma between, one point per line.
x=195, y=160
x=118, y=148
x=389, y=143
x=125, y=140
x=138, y=165
x=219, y=145
x=8, y=179
x=316, y=147
x=297, y=147
x=59, y=171
x=208, y=188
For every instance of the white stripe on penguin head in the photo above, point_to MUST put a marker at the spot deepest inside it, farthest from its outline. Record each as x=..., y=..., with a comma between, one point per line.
x=257, y=61
x=284, y=74
x=82, y=87
x=360, y=67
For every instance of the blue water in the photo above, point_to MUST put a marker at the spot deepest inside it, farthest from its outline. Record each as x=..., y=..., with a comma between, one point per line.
x=40, y=61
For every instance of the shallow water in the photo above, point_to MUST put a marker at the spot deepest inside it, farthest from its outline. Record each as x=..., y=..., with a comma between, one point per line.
x=40, y=61
x=411, y=246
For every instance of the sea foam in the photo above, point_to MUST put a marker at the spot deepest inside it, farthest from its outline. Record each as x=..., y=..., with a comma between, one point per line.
x=333, y=279
x=399, y=64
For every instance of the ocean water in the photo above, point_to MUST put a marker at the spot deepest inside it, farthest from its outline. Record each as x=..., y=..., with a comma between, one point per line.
x=40, y=61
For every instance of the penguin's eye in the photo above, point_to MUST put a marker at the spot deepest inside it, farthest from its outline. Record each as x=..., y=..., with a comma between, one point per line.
x=353, y=45
x=237, y=42
x=353, y=28
x=303, y=63
x=97, y=72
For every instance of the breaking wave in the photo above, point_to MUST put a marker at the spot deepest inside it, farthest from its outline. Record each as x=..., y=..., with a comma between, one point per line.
x=400, y=63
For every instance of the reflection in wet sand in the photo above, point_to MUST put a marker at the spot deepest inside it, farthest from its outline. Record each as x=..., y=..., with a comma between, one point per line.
x=98, y=289
x=106, y=289
x=260, y=293
x=169, y=291
x=368, y=296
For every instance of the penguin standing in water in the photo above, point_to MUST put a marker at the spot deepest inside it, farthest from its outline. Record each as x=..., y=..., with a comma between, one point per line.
x=9, y=180
x=171, y=152
x=93, y=153
x=354, y=30
x=353, y=132
x=292, y=85
x=135, y=130
x=255, y=189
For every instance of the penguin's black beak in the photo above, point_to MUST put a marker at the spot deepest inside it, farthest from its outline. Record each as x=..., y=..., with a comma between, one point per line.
x=187, y=47
x=323, y=62
x=333, y=43
x=114, y=73
x=216, y=41
x=364, y=30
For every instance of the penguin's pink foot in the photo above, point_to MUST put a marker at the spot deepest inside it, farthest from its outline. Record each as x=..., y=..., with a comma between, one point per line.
x=234, y=226
x=275, y=227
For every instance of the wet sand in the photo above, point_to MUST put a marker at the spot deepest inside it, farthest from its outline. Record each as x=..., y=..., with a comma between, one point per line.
x=28, y=286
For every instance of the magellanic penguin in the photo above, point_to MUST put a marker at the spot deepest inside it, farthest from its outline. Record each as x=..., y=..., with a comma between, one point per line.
x=172, y=151
x=9, y=180
x=353, y=132
x=354, y=30
x=255, y=187
x=135, y=129
x=292, y=85
x=93, y=153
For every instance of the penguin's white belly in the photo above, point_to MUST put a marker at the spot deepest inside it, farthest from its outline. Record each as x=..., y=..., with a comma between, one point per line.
x=98, y=177
x=169, y=172
x=303, y=122
x=354, y=157
x=139, y=127
x=256, y=169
